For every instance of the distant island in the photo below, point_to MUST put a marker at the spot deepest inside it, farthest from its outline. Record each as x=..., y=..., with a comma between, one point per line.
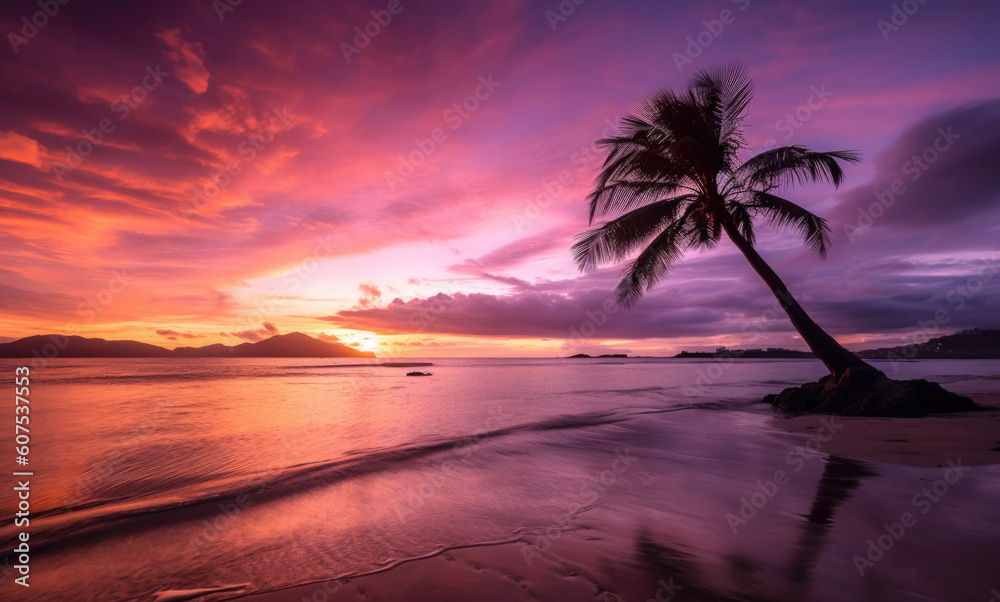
x=976, y=343
x=584, y=355
x=770, y=352
x=294, y=344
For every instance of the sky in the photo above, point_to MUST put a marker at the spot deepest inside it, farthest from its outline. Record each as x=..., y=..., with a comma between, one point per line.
x=408, y=177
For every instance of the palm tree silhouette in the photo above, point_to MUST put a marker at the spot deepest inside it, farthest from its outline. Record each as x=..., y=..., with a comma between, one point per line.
x=674, y=178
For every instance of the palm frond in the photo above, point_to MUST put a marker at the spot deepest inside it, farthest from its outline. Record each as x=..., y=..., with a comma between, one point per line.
x=651, y=265
x=616, y=239
x=634, y=178
x=725, y=90
x=788, y=165
x=621, y=196
x=672, y=180
x=782, y=213
x=728, y=90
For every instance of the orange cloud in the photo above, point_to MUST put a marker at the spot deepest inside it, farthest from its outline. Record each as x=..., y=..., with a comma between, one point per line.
x=15, y=147
x=187, y=58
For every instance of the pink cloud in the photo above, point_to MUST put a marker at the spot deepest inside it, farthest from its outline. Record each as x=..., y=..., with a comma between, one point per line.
x=15, y=147
x=188, y=59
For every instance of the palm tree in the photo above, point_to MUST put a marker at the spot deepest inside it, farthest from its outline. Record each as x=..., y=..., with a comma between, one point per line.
x=674, y=180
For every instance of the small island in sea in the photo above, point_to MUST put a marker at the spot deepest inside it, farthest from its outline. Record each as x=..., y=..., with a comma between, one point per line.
x=973, y=343
x=770, y=352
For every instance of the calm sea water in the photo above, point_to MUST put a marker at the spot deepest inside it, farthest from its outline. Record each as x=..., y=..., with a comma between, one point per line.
x=155, y=479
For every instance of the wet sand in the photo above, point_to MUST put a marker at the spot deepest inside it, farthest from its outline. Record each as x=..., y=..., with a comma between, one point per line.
x=593, y=561
x=973, y=437
x=574, y=568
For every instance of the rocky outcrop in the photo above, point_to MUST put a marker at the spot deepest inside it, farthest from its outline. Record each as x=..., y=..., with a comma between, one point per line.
x=869, y=392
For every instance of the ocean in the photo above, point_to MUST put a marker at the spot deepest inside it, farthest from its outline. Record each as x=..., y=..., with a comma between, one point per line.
x=216, y=478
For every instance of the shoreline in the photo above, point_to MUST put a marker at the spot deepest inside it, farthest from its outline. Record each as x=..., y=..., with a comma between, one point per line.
x=496, y=571
x=972, y=437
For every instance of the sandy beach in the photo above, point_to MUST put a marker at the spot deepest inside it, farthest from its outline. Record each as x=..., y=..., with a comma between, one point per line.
x=593, y=561
x=930, y=441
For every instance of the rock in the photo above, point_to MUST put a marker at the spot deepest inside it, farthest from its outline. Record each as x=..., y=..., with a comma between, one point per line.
x=869, y=392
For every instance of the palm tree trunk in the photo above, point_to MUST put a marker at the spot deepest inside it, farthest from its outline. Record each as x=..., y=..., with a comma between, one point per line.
x=836, y=358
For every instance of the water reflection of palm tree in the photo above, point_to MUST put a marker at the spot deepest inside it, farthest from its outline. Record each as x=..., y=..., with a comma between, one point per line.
x=841, y=476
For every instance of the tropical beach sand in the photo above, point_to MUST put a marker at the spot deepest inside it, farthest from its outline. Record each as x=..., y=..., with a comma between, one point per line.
x=598, y=558
x=974, y=437
x=574, y=568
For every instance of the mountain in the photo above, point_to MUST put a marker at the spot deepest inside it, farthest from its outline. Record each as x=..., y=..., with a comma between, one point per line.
x=968, y=344
x=295, y=344
x=57, y=345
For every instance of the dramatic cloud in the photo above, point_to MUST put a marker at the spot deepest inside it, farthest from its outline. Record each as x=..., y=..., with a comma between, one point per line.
x=269, y=330
x=370, y=295
x=510, y=280
x=909, y=298
x=167, y=167
x=173, y=334
x=187, y=58
x=528, y=314
x=15, y=147
x=518, y=252
x=940, y=176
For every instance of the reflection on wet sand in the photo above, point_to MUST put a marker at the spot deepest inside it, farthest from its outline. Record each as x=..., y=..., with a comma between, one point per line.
x=841, y=477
